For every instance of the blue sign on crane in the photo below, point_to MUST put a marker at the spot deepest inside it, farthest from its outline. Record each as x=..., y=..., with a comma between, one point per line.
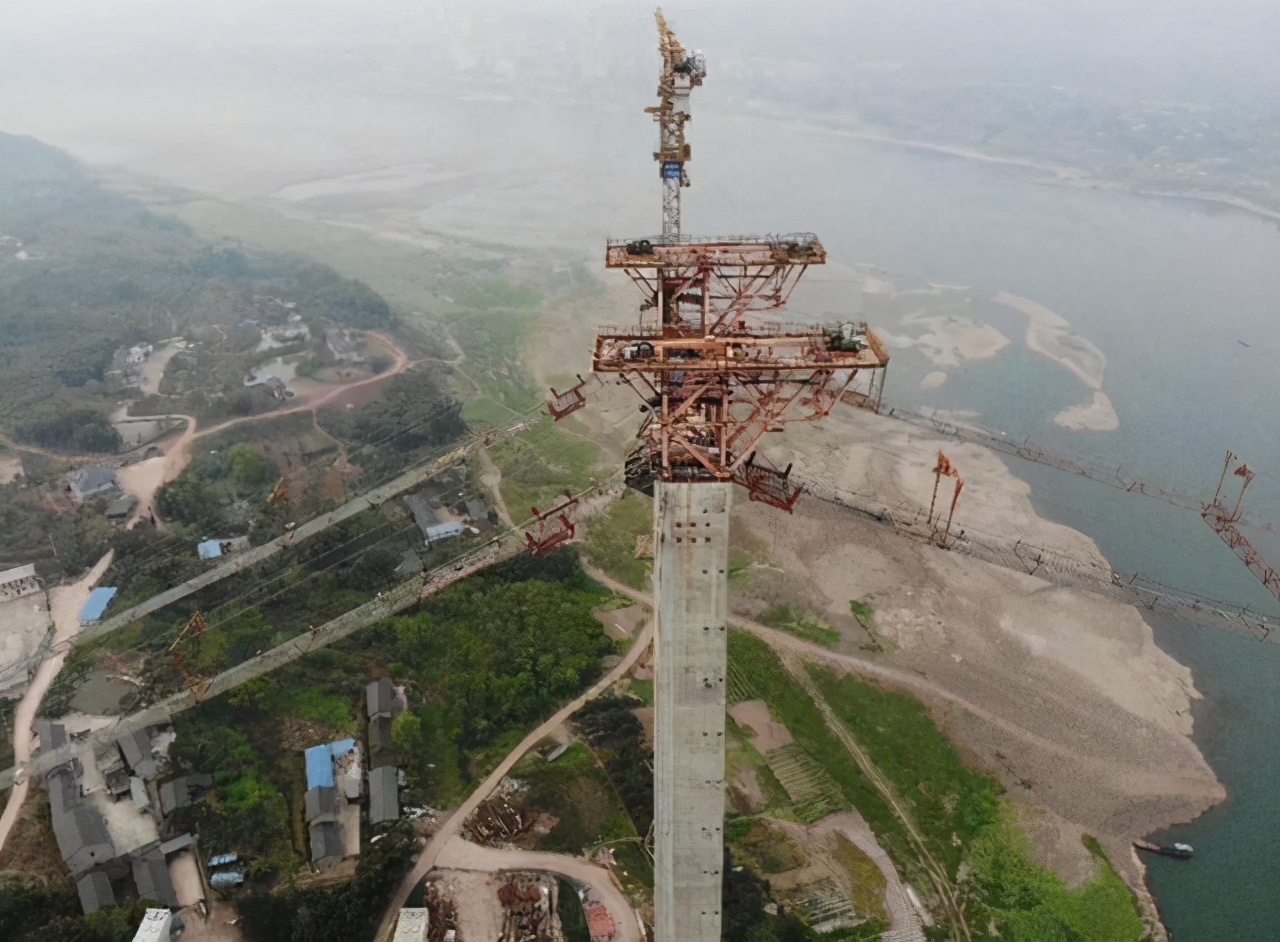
x=671, y=170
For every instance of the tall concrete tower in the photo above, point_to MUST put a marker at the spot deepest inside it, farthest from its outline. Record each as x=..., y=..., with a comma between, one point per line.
x=712, y=378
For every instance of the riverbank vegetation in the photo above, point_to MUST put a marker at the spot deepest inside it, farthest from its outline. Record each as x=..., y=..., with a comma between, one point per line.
x=959, y=814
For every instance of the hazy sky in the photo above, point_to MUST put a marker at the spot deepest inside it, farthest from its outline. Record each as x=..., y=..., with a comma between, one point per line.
x=243, y=97
x=1204, y=49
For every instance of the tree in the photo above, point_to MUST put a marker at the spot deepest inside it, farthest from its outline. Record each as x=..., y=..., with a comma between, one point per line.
x=248, y=469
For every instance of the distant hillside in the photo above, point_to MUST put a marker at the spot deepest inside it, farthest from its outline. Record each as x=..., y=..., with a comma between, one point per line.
x=85, y=272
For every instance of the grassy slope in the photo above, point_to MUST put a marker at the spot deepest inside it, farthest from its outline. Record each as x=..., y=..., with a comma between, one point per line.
x=955, y=807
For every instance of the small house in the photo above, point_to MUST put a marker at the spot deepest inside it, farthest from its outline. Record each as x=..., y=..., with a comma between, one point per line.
x=151, y=876
x=15, y=583
x=443, y=531
x=95, y=891
x=139, y=755
x=182, y=791
x=412, y=926
x=321, y=803
x=380, y=698
x=120, y=508
x=384, y=794
x=88, y=483
x=326, y=844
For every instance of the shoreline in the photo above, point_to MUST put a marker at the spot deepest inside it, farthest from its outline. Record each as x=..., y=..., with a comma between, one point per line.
x=1049, y=672
x=1059, y=174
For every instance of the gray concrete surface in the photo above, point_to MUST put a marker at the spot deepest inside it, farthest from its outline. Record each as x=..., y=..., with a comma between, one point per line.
x=690, y=579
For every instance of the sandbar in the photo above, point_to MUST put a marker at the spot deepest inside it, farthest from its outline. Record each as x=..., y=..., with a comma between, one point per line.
x=933, y=380
x=1050, y=335
x=950, y=340
x=1096, y=416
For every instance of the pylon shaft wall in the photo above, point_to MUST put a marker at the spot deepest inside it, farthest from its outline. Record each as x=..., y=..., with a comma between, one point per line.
x=691, y=557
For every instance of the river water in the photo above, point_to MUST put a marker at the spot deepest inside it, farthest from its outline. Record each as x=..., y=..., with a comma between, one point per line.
x=1168, y=290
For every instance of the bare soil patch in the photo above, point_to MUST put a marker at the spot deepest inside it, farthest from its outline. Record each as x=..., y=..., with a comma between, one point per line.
x=754, y=714
x=30, y=846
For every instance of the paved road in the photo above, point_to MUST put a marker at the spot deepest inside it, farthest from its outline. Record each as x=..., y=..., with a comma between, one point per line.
x=451, y=825
x=459, y=854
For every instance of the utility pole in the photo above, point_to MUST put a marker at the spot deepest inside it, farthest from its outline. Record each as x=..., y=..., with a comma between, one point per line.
x=712, y=379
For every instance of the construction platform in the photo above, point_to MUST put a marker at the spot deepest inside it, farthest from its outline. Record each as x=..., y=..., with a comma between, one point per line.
x=796, y=248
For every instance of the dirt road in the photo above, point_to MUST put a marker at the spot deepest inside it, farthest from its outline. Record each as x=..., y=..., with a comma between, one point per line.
x=144, y=478
x=458, y=854
x=451, y=825
x=65, y=602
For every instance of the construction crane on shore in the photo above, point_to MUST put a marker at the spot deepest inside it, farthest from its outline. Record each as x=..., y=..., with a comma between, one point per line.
x=716, y=369
x=1225, y=522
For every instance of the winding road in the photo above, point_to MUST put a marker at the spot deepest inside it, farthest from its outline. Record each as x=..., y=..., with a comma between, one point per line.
x=451, y=825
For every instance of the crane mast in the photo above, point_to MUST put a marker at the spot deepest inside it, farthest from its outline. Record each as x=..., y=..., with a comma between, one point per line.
x=680, y=74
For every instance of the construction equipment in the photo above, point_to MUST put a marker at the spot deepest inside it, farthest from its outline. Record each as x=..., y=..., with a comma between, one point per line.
x=193, y=629
x=552, y=527
x=943, y=469
x=1224, y=523
x=279, y=494
x=715, y=370
x=571, y=400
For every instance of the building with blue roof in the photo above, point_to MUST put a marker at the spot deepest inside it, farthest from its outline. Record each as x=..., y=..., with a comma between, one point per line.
x=319, y=767
x=320, y=762
x=209, y=549
x=99, y=599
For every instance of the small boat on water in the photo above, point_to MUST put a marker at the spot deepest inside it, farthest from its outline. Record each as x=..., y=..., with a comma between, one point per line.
x=1180, y=851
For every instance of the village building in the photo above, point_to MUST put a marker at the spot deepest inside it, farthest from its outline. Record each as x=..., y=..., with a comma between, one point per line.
x=182, y=791
x=119, y=509
x=382, y=702
x=15, y=583
x=158, y=925
x=90, y=482
x=334, y=787
x=384, y=794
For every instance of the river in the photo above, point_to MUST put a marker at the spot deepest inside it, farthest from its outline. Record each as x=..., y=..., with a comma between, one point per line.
x=1171, y=292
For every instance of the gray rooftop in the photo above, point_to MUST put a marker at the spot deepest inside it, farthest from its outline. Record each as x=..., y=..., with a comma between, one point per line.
x=380, y=697
x=326, y=841
x=381, y=748
x=122, y=506
x=80, y=831
x=321, y=801
x=52, y=735
x=181, y=842
x=95, y=891
x=151, y=874
x=87, y=482
x=384, y=795
x=180, y=792
x=136, y=749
